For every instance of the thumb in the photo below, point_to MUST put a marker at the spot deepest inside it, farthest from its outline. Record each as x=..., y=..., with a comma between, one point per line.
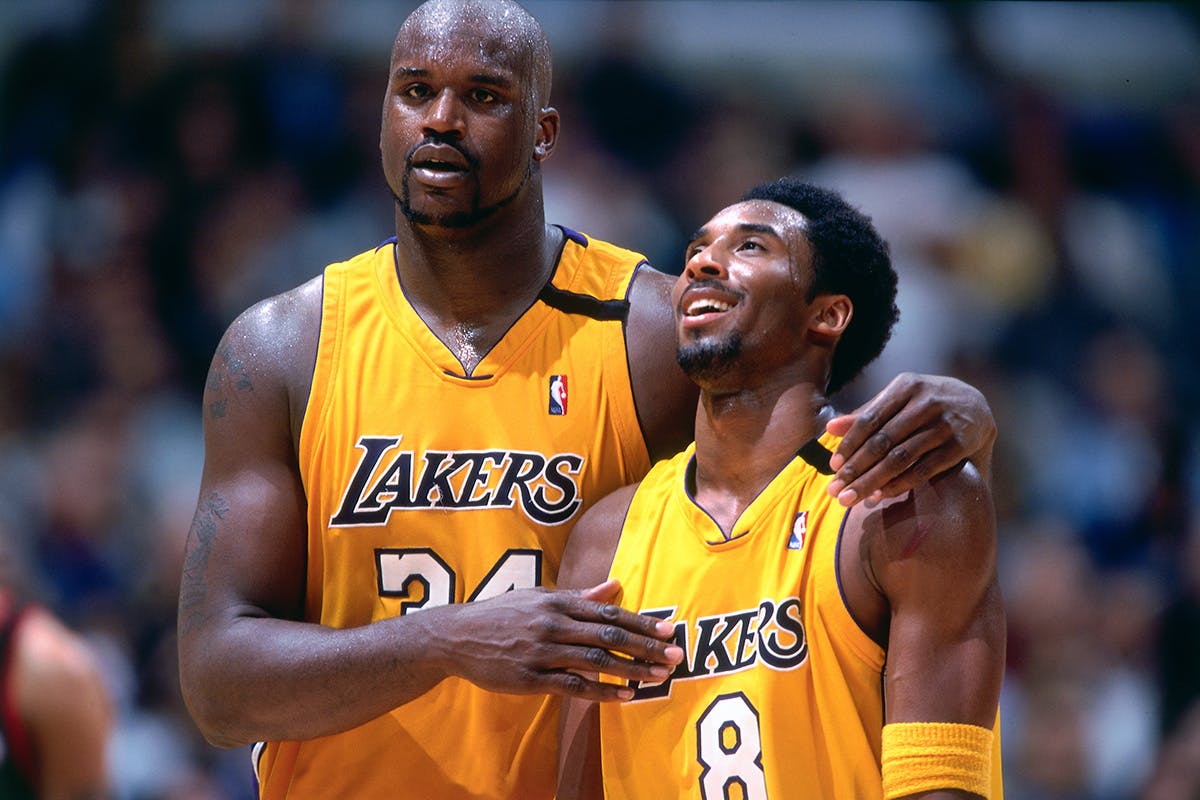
x=602, y=592
x=840, y=426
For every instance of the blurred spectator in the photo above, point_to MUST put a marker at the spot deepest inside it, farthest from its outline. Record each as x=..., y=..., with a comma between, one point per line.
x=56, y=715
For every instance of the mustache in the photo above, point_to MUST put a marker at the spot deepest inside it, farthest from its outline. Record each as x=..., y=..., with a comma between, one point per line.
x=442, y=139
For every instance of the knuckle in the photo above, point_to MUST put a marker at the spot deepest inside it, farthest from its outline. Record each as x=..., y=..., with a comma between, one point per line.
x=899, y=455
x=880, y=443
x=599, y=657
x=922, y=471
x=613, y=635
x=574, y=683
x=545, y=627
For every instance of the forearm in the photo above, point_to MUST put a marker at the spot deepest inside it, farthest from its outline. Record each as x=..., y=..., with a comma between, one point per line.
x=263, y=679
x=579, y=772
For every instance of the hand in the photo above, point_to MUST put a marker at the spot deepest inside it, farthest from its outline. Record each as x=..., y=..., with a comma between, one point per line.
x=536, y=640
x=918, y=427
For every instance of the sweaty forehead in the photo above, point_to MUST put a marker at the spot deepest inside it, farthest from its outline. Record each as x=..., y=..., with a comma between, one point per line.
x=783, y=220
x=441, y=32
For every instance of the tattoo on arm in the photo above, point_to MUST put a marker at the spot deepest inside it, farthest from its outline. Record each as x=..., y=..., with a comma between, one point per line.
x=230, y=374
x=193, y=591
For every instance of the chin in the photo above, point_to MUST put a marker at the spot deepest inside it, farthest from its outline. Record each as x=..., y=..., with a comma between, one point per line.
x=709, y=358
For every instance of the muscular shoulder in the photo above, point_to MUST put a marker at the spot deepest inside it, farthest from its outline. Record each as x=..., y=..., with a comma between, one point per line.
x=268, y=354
x=939, y=537
x=281, y=331
x=593, y=541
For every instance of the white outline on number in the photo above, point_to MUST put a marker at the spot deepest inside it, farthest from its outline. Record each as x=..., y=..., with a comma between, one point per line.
x=398, y=568
x=730, y=710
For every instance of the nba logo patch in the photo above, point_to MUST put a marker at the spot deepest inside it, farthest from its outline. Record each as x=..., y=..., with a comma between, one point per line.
x=558, y=395
x=799, y=528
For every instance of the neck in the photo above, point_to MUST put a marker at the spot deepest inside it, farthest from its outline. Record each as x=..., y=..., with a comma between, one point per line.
x=471, y=284
x=471, y=270
x=745, y=438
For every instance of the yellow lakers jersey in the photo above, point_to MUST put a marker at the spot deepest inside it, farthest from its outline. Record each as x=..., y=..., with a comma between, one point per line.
x=427, y=487
x=780, y=694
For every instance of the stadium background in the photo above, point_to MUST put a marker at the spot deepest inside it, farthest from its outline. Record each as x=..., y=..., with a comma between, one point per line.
x=1036, y=167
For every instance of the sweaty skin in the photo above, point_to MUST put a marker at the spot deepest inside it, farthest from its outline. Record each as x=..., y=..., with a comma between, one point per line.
x=465, y=127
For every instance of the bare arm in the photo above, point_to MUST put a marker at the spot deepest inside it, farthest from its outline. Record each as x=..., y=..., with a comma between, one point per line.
x=666, y=399
x=586, y=562
x=931, y=556
x=918, y=427
x=61, y=695
x=251, y=668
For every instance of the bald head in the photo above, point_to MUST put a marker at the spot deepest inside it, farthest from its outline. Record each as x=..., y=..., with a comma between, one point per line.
x=501, y=30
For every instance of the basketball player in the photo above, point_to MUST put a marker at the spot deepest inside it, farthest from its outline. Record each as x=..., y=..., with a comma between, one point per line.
x=388, y=488
x=787, y=605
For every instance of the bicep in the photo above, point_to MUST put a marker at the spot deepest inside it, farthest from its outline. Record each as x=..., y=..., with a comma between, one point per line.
x=946, y=635
x=593, y=541
x=246, y=547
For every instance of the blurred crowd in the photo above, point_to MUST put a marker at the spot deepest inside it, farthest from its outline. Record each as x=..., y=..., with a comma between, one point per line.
x=1035, y=168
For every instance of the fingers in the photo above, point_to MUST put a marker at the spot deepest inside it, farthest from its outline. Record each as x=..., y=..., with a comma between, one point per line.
x=606, y=625
x=933, y=463
x=886, y=454
x=591, y=637
x=865, y=421
x=574, y=684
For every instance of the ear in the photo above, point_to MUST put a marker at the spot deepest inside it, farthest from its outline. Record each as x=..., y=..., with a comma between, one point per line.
x=547, y=134
x=831, y=314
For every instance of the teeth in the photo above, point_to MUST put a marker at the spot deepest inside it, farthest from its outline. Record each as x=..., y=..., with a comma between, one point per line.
x=706, y=306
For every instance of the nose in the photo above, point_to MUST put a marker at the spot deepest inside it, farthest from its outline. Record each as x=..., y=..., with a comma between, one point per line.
x=443, y=116
x=705, y=263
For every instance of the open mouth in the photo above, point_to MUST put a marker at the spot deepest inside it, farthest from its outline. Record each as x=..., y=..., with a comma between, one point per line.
x=438, y=161
x=705, y=305
x=436, y=165
x=703, y=300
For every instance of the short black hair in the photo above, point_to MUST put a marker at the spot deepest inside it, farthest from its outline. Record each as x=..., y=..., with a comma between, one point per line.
x=850, y=258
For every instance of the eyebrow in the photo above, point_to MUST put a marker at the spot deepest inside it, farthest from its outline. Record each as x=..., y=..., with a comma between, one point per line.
x=744, y=227
x=484, y=78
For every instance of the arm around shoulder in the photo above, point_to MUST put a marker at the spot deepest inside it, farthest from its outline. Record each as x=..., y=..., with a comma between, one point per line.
x=917, y=427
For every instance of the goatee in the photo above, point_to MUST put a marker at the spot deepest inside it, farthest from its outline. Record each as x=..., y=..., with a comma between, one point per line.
x=456, y=219
x=709, y=359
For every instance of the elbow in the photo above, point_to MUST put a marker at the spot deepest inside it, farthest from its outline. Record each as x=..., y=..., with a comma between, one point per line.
x=213, y=709
x=218, y=728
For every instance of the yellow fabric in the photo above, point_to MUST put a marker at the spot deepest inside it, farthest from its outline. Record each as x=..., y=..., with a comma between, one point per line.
x=929, y=756
x=427, y=486
x=781, y=691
